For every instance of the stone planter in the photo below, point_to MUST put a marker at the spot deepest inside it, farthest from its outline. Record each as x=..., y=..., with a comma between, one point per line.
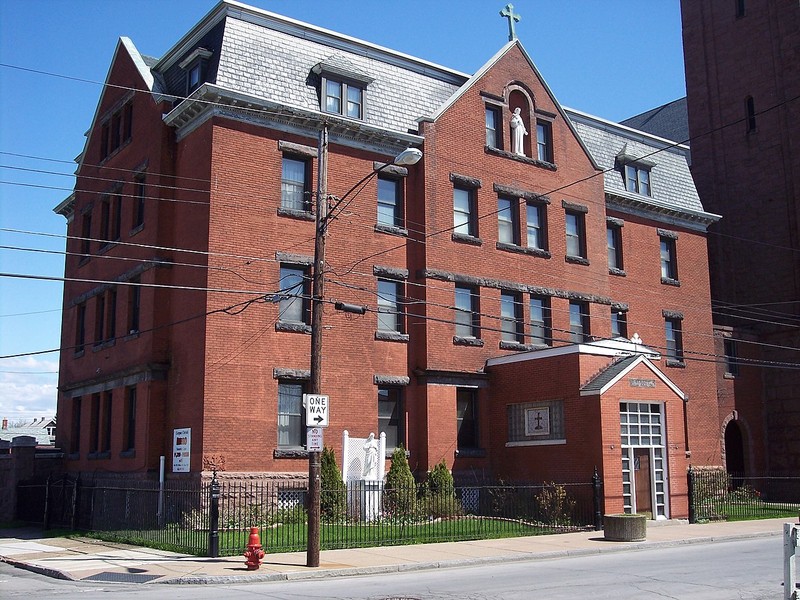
x=625, y=528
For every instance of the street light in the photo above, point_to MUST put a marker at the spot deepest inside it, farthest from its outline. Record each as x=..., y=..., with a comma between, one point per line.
x=409, y=156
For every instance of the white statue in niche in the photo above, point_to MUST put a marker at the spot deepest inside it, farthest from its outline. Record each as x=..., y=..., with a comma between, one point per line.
x=370, y=470
x=518, y=133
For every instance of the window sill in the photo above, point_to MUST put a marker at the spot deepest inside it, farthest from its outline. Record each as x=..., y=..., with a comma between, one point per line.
x=98, y=455
x=670, y=281
x=677, y=364
x=84, y=260
x=617, y=272
x=136, y=230
x=524, y=159
x=103, y=345
x=471, y=453
x=577, y=260
x=292, y=327
x=467, y=341
x=128, y=454
x=74, y=456
x=391, y=230
x=290, y=453
x=293, y=213
x=523, y=250
x=108, y=245
x=391, y=336
x=132, y=335
x=78, y=353
x=464, y=238
x=557, y=442
x=516, y=346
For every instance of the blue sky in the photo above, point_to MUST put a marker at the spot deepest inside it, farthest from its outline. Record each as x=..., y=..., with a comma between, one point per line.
x=610, y=58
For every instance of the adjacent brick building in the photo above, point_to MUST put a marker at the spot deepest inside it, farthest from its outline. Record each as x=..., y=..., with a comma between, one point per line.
x=743, y=83
x=563, y=284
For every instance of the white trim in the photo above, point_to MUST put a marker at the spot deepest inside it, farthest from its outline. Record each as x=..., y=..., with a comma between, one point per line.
x=536, y=443
x=612, y=348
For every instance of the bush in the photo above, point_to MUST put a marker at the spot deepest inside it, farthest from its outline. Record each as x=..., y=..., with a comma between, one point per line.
x=400, y=491
x=333, y=495
x=439, y=493
x=555, y=505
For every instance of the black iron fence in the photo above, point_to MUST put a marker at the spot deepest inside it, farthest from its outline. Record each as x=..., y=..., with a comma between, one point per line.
x=214, y=518
x=717, y=495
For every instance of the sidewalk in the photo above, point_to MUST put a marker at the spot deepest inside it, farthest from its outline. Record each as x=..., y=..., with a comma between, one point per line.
x=84, y=559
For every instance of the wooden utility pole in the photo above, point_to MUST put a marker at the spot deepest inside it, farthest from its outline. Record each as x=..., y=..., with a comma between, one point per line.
x=317, y=307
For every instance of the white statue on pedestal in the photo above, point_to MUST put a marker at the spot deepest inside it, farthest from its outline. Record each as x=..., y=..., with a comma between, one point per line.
x=370, y=470
x=518, y=133
x=363, y=465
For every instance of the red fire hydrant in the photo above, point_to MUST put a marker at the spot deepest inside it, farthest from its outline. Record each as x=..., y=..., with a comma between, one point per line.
x=254, y=552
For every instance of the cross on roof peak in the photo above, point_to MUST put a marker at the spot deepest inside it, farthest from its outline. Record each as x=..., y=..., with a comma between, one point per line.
x=508, y=13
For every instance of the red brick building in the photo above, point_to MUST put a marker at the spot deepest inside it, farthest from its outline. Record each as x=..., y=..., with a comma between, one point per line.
x=501, y=284
x=743, y=82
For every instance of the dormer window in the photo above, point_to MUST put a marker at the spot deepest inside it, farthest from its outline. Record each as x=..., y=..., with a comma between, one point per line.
x=342, y=87
x=195, y=65
x=635, y=172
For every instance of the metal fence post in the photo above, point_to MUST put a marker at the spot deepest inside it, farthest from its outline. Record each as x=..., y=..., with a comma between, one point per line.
x=46, y=523
x=213, y=533
x=690, y=495
x=596, y=491
x=74, y=506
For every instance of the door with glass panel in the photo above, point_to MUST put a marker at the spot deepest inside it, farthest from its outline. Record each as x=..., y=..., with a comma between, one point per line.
x=644, y=472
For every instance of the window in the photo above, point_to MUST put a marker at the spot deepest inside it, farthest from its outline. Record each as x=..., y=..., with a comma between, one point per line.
x=295, y=182
x=390, y=202
x=507, y=229
x=291, y=415
x=75, y=434
x=731, y=357
x=578, y=322
x=86, y=234
x=105, y=317
x=614, y=245
x=139, y=193
x=750, y=113
x=467, y=312
x=637, y=179
x=94, y=424
x=390, y=415
x=619, y=323
x=466, y=418
x=110, y=217
x=493, y=131
x=740, y=8
x=390, y=316
x=536, y=423
x=535, y=224
x=464, y=217
x=295, y=292
x=111, y=314
x=343, y=98
x=116, y=130
x=541, y=331
x=669, y=266
x=80, y=327
x=106, y=437
x=99, y=320
x=129, y=441
x=544, y=141
x=134, y=305
x=674, y=337
x=576, y=238
x=511, y=328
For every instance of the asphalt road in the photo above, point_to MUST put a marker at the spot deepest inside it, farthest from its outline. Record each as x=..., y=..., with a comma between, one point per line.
x=744, y=570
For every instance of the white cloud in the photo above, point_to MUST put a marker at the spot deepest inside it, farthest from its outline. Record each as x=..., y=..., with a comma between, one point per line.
x=28, y=387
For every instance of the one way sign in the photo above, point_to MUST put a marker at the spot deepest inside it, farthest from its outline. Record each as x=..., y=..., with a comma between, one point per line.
x=316, y=410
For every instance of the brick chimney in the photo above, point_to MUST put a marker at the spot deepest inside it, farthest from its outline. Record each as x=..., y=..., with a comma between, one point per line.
x=5, y=424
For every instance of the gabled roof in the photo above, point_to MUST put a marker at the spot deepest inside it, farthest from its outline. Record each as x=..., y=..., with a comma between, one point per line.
x=674, y=196
x=607, y=378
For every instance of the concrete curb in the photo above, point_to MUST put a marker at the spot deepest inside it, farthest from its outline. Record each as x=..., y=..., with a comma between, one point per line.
x=448, y=564
x=54, y=573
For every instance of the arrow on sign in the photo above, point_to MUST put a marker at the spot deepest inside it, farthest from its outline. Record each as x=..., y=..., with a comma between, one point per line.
x=318, y=419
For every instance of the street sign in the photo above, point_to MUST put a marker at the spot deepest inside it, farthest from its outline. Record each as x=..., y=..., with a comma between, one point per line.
x=316, y=410
x=314, y=439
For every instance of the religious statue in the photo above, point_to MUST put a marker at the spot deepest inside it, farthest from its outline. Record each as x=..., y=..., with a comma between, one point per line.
x=370, y=470
x=518, y=133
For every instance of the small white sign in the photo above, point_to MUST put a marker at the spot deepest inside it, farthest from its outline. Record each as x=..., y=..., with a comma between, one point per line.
x=314, y=441
x=317, y=411
x=181, y=449
x=537, y=421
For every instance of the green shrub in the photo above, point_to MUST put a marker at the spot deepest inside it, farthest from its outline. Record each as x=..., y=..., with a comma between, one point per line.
x=400, y=491
x=555, y=505
x=439, y=493
x=333, y=495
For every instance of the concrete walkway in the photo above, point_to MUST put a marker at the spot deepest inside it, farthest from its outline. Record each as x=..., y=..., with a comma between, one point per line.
x=84, y=559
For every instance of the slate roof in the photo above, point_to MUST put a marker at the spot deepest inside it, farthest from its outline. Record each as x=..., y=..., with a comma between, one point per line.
x=36, y=429
x=606, y=376
x=670, y=121
x=671, y=182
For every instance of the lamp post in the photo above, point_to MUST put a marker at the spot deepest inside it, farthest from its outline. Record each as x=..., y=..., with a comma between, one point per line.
x=408, y=156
